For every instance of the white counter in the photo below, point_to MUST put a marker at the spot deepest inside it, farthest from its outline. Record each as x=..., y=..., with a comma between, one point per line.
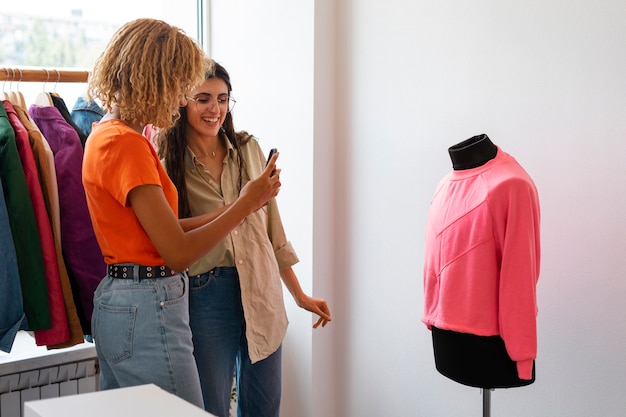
x=142, y=400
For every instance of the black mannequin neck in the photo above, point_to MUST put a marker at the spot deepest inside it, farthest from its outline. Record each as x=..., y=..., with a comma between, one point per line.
x=472, y=153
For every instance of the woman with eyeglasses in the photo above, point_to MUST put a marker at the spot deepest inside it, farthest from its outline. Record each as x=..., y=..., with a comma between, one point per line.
x=141, y=313
x=237, y=313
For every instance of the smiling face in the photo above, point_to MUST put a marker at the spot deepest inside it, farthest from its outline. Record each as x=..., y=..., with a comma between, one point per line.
x=207, y=107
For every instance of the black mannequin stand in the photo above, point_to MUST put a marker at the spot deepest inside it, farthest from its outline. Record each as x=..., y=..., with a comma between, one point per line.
x=486, y=402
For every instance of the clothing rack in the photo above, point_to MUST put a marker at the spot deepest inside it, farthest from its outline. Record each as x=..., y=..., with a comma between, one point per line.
x=32, y=372
x=43, y=75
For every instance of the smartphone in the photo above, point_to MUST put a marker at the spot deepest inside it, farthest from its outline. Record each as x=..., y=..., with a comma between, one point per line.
x=272, y=152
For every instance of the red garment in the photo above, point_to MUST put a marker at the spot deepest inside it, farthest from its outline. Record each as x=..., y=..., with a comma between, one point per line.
x=59, y=332
x=482, y=257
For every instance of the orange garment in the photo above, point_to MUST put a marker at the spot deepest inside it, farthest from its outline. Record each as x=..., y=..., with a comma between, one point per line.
x=118, y=159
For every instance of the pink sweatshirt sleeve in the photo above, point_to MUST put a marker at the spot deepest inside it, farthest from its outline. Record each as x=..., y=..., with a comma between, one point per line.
x=515, y=208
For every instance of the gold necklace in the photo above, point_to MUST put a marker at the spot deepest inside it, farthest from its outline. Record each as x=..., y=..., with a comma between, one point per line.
x=211, y=154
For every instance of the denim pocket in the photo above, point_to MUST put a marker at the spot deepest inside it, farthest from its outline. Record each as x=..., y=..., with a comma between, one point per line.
x=198, y=282
x=115, y=329
x=174, y=290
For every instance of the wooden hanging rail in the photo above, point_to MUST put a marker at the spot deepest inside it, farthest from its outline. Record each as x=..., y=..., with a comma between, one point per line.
x=43, y=75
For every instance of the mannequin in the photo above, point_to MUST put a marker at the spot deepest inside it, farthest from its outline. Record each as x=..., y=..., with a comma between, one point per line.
x=479, y=287
x=472, y=153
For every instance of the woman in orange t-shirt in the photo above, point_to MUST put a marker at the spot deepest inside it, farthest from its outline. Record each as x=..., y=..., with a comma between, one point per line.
x=141, y=314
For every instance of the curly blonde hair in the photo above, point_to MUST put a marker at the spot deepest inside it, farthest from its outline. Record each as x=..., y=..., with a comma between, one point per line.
x=144, y=71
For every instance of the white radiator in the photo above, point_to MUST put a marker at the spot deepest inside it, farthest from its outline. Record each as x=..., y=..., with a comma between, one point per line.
x=31, y=373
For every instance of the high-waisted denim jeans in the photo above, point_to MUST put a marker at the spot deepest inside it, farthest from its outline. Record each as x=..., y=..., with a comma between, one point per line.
x=218, y=326
x=142, y=335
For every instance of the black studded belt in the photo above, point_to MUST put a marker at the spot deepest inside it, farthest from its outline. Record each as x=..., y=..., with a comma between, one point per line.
x=126, y=271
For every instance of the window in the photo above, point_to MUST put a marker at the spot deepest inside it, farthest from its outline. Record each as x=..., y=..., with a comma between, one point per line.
x=72, y=33
x=69, y=34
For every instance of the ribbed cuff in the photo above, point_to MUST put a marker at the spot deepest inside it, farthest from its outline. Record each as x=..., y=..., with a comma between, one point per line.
x=525, y=369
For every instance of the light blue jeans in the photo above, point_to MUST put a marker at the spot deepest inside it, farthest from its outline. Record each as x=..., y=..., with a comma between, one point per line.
x=218, y=326
x=142, y=335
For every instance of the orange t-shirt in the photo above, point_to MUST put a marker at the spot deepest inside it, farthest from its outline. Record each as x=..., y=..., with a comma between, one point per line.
x=118, y=159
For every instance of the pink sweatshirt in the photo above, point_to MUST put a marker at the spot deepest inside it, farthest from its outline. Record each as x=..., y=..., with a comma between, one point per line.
x=482, y=257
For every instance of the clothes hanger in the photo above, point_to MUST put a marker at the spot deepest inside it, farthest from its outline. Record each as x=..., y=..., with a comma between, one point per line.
x=16, y=97
x=20, y=96
x=15, y=100
x=43, y=99
x=54, y=90
x=5, y=96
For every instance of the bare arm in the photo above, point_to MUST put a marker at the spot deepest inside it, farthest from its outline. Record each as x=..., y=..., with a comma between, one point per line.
x=197, y=221
x=180, y=247
x=314, y=305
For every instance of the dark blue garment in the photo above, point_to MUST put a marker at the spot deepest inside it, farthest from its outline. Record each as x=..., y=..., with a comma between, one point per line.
x=85, y=113
x=12, y=317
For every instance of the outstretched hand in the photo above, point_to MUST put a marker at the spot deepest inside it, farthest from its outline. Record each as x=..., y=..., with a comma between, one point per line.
x=314, y=305
x=317, y=306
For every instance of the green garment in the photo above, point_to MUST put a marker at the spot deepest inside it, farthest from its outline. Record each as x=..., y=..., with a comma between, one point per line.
x=24, y=229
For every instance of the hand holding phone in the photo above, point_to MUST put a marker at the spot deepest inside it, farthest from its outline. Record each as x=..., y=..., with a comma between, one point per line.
x=272, y=152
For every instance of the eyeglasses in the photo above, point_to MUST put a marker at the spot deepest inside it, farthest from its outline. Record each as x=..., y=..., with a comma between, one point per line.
x=204, y=102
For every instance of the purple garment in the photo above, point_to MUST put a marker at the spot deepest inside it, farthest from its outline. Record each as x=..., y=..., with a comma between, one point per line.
x=82, y=254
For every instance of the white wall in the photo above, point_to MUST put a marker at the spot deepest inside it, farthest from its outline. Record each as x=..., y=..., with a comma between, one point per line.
x=393, y=85
x=545, y=80
x=267, y=47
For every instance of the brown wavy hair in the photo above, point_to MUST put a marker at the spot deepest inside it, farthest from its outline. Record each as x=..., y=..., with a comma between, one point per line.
x=144, y=71
x=172, y=142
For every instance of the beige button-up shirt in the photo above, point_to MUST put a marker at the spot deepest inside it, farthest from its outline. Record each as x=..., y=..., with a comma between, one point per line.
x=258, y=247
